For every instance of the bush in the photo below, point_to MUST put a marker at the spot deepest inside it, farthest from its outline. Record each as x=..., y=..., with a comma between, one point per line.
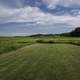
x=40, y=41
x=45, y=41
x=75, y=43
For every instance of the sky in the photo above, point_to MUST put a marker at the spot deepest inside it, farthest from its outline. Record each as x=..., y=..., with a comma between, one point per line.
x=27, y=17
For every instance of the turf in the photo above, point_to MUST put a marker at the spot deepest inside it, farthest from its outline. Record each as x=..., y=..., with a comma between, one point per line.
x=41, y=62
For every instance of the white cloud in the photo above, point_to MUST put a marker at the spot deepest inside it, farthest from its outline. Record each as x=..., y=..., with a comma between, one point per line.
x=67, y=3
x=34, y=14
x=51, y=3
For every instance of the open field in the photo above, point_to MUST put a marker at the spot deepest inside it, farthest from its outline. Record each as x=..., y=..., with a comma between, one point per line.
x=12, y=43
x=41, y=62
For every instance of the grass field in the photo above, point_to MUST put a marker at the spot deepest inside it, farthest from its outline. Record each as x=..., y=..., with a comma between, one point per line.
x=12, y=43
x=41, y=62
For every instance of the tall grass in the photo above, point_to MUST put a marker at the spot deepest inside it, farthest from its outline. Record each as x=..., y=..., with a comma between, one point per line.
x=12, y=43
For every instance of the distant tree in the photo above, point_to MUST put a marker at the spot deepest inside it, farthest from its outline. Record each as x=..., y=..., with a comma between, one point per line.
x=75, y=33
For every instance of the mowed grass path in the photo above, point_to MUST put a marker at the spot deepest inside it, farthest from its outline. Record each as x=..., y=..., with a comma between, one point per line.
x=41, y=62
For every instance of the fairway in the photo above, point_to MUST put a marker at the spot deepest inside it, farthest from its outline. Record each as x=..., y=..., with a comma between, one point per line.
x=41, y=62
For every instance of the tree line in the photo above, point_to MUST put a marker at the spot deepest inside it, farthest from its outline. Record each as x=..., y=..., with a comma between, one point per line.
x=73, y=33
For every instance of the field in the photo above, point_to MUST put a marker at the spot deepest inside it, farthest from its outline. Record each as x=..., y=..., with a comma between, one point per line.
x=23, y=58
x=12, y=43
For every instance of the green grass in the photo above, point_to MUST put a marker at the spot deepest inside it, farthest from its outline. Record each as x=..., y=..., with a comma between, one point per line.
x=12, y=43
x=41, y=62
x=8, y=44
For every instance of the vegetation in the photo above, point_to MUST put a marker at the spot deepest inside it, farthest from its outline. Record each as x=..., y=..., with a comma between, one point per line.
x=40, y=57
x=41, y=62
x=12, y=43
x=75, y=33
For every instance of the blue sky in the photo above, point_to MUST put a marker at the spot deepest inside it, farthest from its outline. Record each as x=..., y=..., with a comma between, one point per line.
x=26, y=17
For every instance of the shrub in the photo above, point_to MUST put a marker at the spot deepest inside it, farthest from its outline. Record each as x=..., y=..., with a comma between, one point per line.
x=40, y=41
x=45, y=41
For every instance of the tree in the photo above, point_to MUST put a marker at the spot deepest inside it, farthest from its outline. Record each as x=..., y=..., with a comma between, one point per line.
x=75, y=33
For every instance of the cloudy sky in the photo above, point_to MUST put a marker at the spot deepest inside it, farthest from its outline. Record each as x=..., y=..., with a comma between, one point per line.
x=26, y=17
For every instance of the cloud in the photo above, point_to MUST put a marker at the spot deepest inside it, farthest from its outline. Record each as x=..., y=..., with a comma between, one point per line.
x=51, y=4
x=67, y=3
x=38, y=18
x=12, y=3
x=35, y=16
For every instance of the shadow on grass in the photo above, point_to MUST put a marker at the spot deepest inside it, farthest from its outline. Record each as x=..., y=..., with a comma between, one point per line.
x=57, y=42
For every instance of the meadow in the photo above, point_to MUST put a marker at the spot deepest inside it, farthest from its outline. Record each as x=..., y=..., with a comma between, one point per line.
x=39, y=58
x=12, y=43
x=41, y=62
